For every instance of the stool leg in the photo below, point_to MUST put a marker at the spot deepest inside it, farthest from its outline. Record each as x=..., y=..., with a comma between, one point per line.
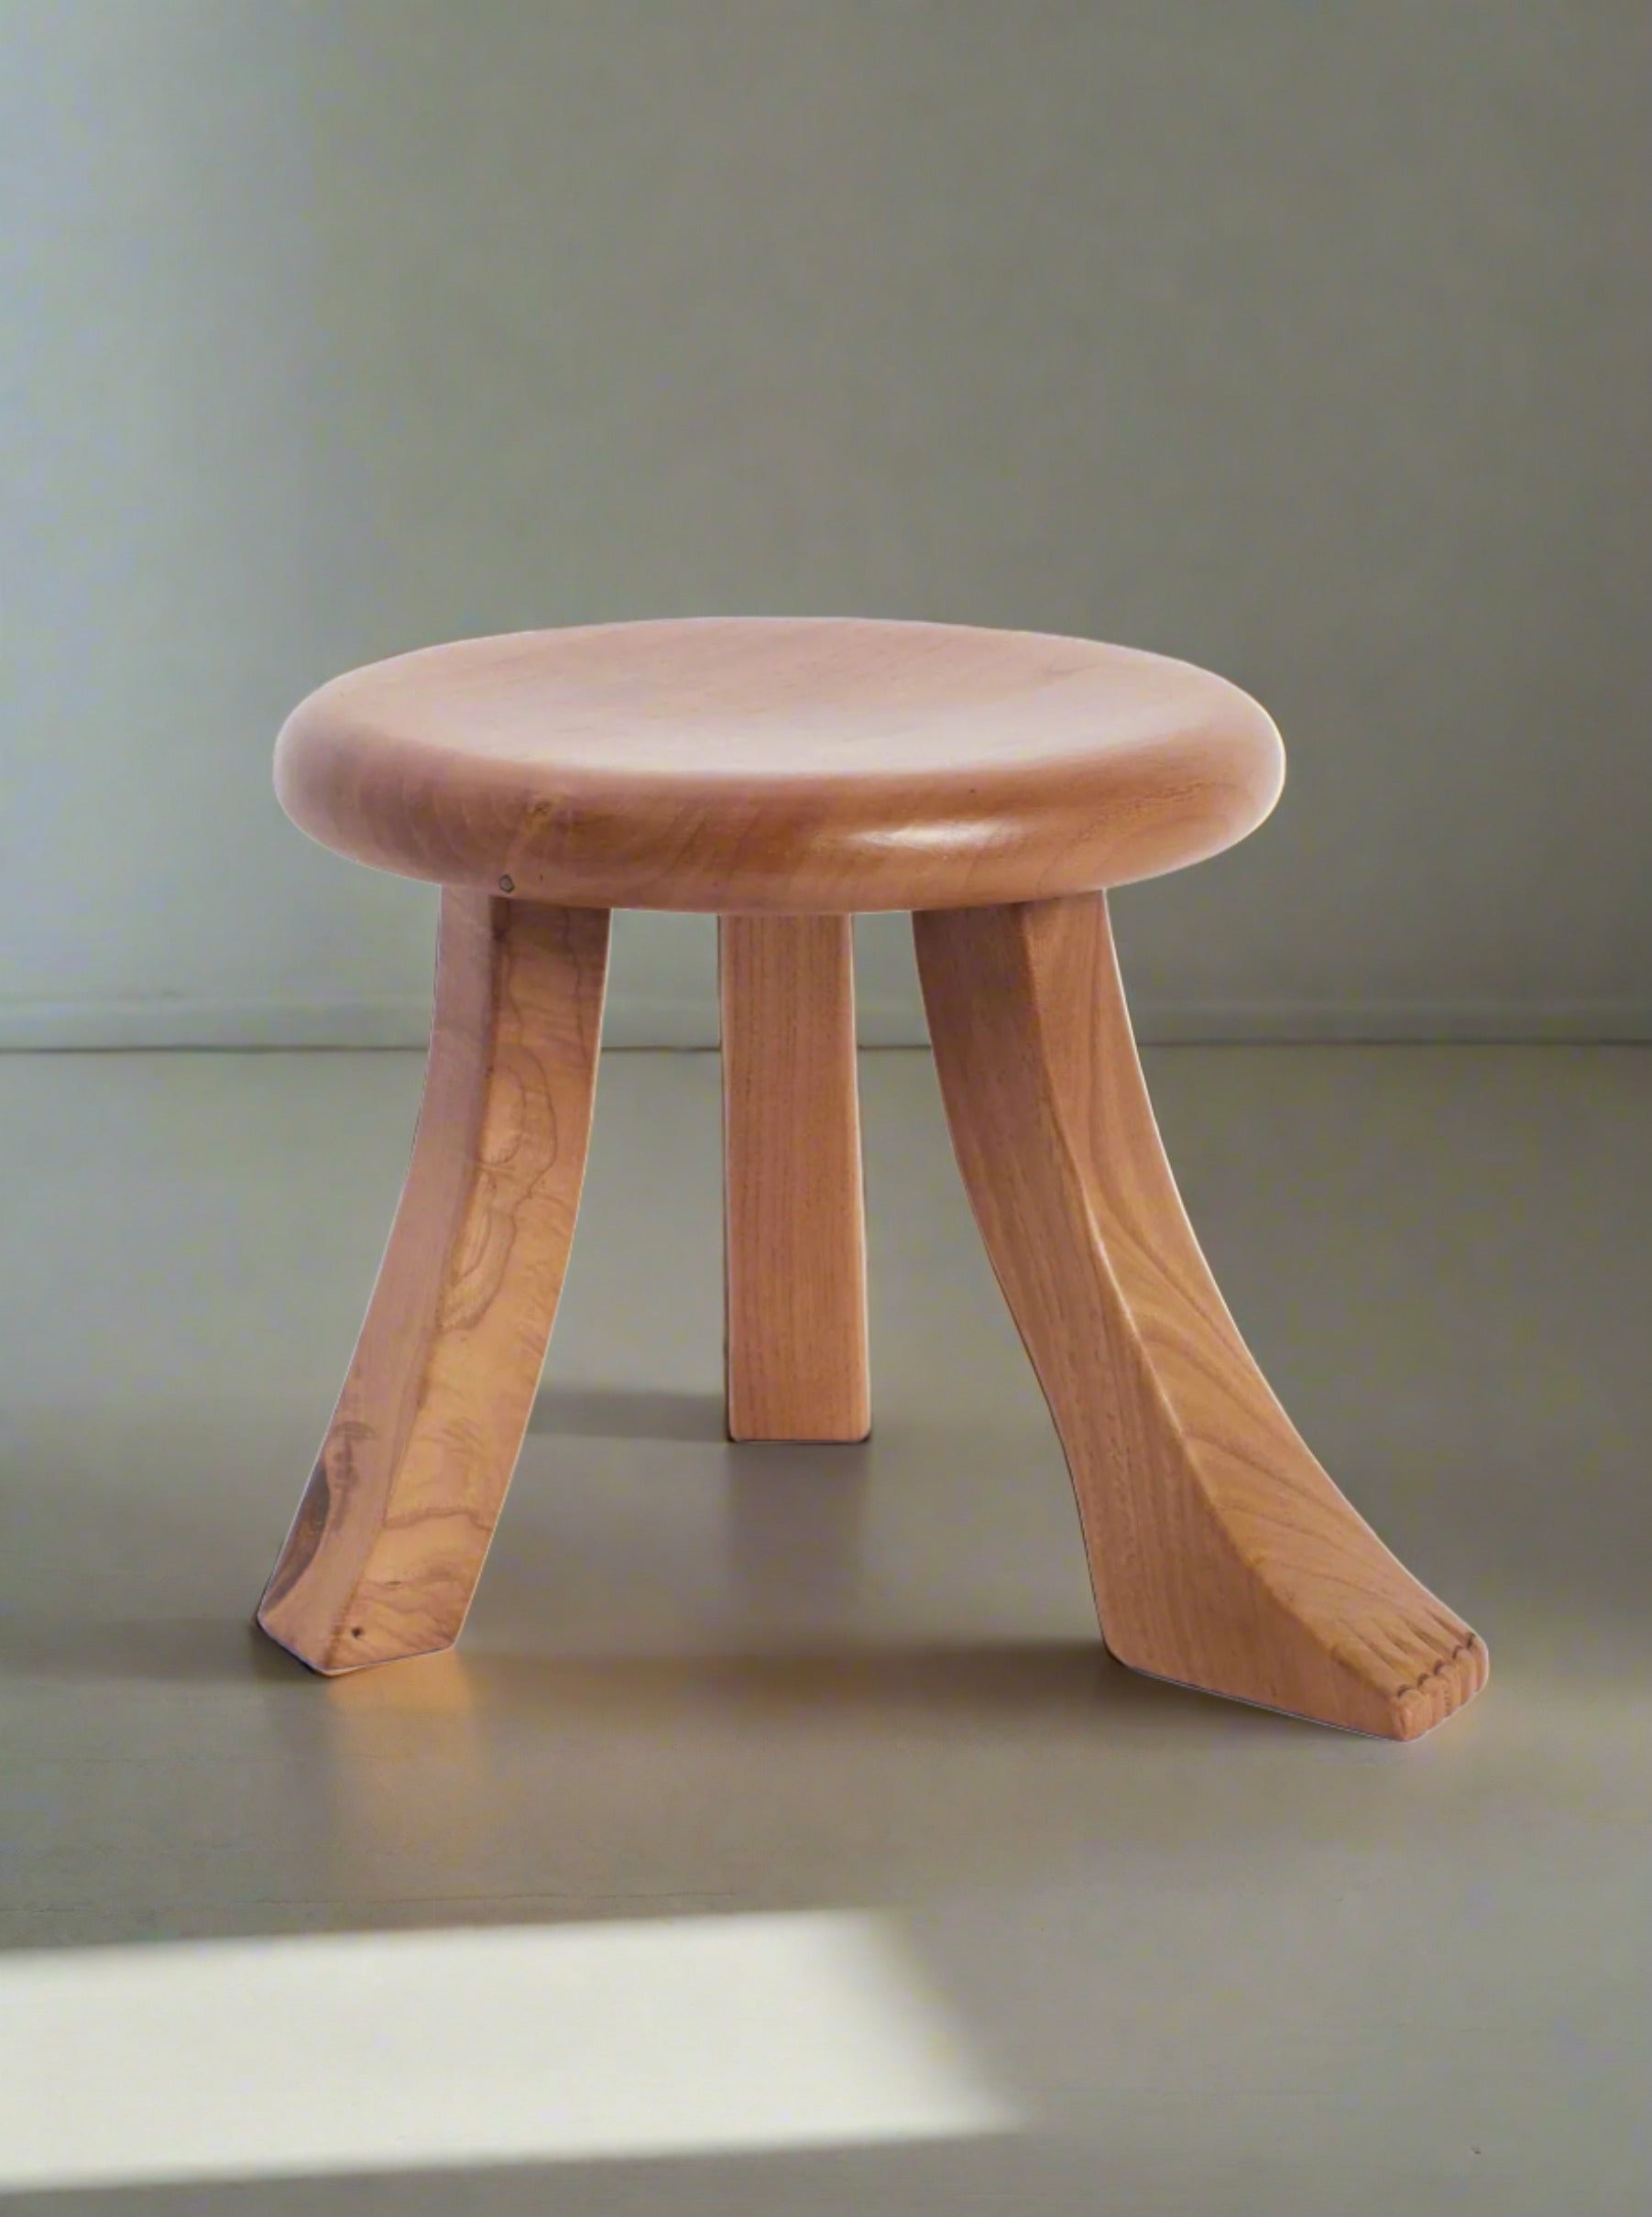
x=795, y=1218
x=1220, y=1553
x=393, y=1527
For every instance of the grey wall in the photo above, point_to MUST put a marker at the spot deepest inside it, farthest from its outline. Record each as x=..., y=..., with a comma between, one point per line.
x=1307, y=339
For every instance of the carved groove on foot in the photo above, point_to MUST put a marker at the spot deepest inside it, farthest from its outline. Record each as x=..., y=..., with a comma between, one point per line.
x=1221, y=1554
x=394, y=1525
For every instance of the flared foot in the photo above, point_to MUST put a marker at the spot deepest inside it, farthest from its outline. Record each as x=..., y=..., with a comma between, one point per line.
x=1221, y=1554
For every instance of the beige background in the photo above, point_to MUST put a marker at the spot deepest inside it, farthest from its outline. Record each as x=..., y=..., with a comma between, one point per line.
x=1309, y=341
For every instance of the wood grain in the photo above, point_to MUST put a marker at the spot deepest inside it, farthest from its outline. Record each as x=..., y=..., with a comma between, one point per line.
x=794, y=1214
x=779, y=765
x=1221, y=1553
x=390, y=1536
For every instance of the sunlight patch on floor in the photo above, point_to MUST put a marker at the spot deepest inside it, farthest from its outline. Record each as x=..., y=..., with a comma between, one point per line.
x=402, y=2050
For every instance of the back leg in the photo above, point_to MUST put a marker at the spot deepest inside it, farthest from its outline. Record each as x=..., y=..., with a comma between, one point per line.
x=795, y=1216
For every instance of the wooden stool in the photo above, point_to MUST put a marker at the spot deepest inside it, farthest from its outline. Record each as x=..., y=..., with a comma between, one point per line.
x=784, y=774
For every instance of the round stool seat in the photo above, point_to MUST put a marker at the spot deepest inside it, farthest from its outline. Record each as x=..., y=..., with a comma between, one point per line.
x=779, y=764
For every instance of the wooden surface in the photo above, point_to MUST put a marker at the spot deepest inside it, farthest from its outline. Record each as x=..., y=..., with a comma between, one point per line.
x=1221, y=1553
x=779, y=765
x=390, y=1536
x=797, y=1362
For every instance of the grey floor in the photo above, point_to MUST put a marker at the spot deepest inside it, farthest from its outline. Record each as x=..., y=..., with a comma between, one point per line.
x=1218, y=1962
